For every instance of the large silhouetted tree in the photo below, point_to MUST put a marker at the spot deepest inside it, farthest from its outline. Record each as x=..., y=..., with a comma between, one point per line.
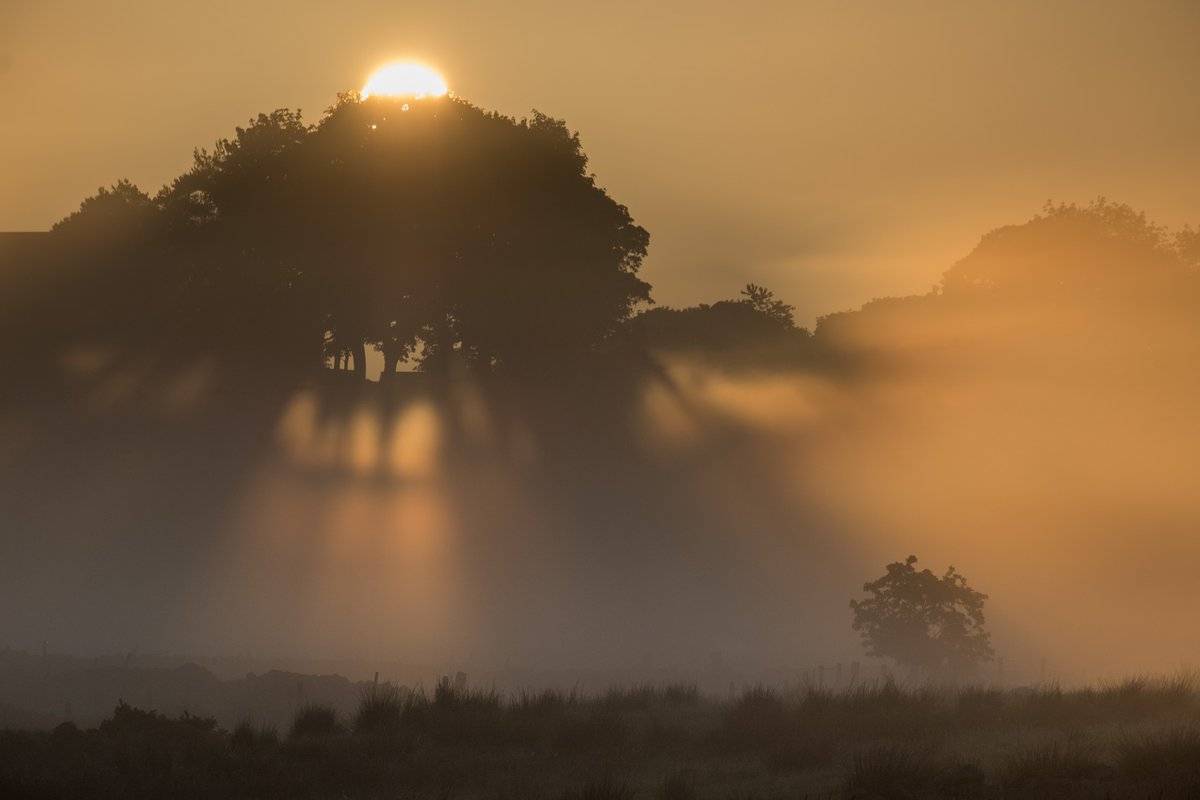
x=102, y=275
x=430, y=225
x=236, y=228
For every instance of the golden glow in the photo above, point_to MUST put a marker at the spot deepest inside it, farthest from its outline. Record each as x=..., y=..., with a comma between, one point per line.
x=405, y=79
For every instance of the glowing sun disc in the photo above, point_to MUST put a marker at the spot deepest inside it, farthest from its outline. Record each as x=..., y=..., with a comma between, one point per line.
x=404, y=79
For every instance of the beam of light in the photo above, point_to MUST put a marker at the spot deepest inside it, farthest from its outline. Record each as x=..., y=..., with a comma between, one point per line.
x=415, y=442
x=405, y=79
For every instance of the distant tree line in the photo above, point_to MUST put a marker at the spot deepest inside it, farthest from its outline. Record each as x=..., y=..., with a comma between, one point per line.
x=435, y=233
x=1090, y=272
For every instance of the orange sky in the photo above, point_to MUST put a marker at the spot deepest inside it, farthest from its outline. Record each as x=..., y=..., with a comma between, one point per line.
x=834, y=151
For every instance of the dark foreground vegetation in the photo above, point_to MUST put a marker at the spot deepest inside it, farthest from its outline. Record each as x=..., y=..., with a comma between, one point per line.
x=1138, y=738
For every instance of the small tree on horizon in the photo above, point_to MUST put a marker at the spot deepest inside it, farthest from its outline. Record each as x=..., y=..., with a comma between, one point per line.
x=929, y=623
x=764, y=302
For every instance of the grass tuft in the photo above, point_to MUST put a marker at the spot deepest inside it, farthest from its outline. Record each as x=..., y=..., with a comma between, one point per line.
x=248, y=738
x=1174, y=752
x=603, y=789
x=315, y=722
x=678, y=786
x=380, y=710
x=1053, y=764
x=887, y=771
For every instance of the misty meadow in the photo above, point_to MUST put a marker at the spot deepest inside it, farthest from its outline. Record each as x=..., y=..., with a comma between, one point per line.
x=368, y=456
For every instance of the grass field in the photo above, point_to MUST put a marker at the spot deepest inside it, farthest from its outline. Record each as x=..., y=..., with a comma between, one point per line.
x=1138, y=738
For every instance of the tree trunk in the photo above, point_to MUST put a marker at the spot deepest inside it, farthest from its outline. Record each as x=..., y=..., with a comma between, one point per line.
x=360, y=360
x=390, y=359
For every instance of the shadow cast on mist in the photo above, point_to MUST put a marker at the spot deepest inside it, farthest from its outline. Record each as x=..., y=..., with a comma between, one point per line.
x=324, y=514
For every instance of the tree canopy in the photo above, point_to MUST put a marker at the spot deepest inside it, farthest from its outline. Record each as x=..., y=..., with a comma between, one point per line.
x=1062, y=279
x=923, y=621
x=1103, y=250
x=754, y=329
x=435, y=231
x=431, y=228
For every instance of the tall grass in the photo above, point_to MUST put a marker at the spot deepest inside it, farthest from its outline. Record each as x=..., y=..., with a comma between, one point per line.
x=873, y=739
x=1051, y=765
x=1171, y=754
x=889, y=770
x=315, y=722
x=604, y=789
x=380, y=710
x=249, y=738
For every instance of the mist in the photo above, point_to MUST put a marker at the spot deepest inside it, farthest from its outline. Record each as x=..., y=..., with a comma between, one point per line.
x=599, y=402
x=1028, y=421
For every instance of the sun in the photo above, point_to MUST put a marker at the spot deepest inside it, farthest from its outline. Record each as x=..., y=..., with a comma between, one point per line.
x=405, y=79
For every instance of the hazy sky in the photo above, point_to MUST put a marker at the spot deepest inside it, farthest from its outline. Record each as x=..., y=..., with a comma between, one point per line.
x=834, y=151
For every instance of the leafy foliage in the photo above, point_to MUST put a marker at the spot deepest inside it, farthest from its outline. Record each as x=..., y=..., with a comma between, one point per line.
x=437, y=229
x=922, y=620
x=764, y=302
x=1099, y=251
